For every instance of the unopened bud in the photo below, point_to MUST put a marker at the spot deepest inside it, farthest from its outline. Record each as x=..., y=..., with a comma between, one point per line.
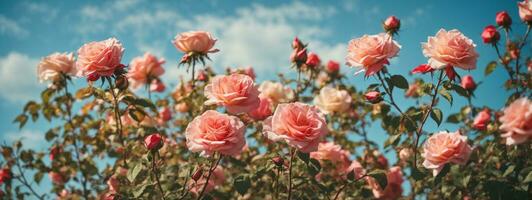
x=121, y=82
x=197, y=174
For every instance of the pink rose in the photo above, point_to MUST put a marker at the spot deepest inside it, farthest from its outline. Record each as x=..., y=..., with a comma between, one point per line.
x=51, y=67
x=333, y=158
x=217, y=178
x=503, y=19
x=215, y=132
x=357, y=168
x=99, y=58
x=195, y=42
x=482, y=120
x=444, y=147
x=331, y=100
x=525, y=10
x=468, y=83
x=300, y=125
x=371, y=52
x=237, y=92
x=276, y=92
x=153, y=142
x=392, y=24
x=263, y=111
x=144, y=69
x=413, y=90
x=56, y=178
x=313, y=60
x=393, y=189
x=373, y=96
x=333, y=66
x=113, y=183
x=157, y=86
x=490, y=35
x=516, y=122
x=450, y=48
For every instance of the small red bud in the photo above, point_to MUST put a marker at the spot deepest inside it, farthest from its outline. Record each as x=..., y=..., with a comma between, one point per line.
x=313, y=60
x=392, y=24
x=373, y=96
x=333, y=66
x=503, y=19
x=468, y=83
x=490, y=35
x=153, y=142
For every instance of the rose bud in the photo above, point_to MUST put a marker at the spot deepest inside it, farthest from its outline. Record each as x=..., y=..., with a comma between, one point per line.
x=278, y=160
x=197, y=174
x=93, y=77
x=202, y=75
x=153, y=142
x=297, y=44
x=299, y=56
x=392, y=24
x=373, y=96
x=482, y=120
x=514, y=53
x=405, y=154
x=5, y=175
x=490, y=35
x=165, y=114
x=468, y=83
x=54, y=151
x=503, y=19
x=313, y=60
x=157, y=86
x=333, y=66
x=56, y=178
x=121, y=82
x=382, y=161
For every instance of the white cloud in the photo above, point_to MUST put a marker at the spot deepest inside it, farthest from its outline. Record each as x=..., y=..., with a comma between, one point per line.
x=18, y=80
x=46, y=12
x=28, y=137
x=11, y=27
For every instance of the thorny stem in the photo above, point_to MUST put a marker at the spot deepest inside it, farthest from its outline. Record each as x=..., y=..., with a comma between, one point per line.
x=156, y=174
x=117, y=118
x=345, y=185
x=292, y=153
x=74, y=142
x=392, y=101
x=213, y=166
x=420, y=128
x=23, y=179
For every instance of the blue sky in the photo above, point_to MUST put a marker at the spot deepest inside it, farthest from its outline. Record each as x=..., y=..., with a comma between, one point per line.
x=254, y=34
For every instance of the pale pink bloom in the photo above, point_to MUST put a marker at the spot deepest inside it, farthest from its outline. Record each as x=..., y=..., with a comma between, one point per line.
x=450, y=48
x=371, y=52
x=482, y=120
x=333, y=160
x=143, y=69
x=331, y=100
x=56, y=178
x=195, y=42
x=263, y=111
x=300, y=125
x=215, y=132
x=444, y=147
x=100, y=58
x=405, y=154
x=51, y=67
x=525, y=10
x=157, y=86
x=217, y=178
x=322, y=79
x=237, y=92
x=113, y=183
x=276, y=92
x=393, y=189
x=516, y=122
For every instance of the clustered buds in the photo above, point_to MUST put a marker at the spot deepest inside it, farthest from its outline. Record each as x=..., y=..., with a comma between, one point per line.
x=490, y=35
x=392, y=24
x=153, y=142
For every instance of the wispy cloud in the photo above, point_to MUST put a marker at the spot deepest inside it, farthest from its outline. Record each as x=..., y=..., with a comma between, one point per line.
x=45, y=12
x=13, y=87
x=12, y=28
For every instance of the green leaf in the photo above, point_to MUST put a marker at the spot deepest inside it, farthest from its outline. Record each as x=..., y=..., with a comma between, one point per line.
x=50, y=135
x=508, y=170
x=392, y=140
x=416, y=174
x=314, y=167
x=305, y=157
x=21, y=119
x=242, y=183
x=490, y=68
x=460, y=90
x=436, y=115
x=442, y=173
x=132, y=174
x=399, y=81
x=454, y=118
x=445, y=94
x=38, y=177
x=528, y=178
x=380, y=176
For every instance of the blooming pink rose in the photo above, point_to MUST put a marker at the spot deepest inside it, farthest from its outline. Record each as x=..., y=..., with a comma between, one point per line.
x=300, y=125
x=157, y=86
x=444, y=147
x=263, y=111
x=237, y=92
x=332, y=157
x=56, y=178
x=517, y=121
x=468, y=83
x=217, y=178
x=371, y=52
x=450, y=48
x=144, y=69
x=165, y=114
x=393, y=189
x=215, y=132
x=333, y=66
x=331, y=100
x=525, y=10
x=153, y=142
x=276, y=92
x=195, y=42
x=482, y=120
x=50, y=67
x=99, y=58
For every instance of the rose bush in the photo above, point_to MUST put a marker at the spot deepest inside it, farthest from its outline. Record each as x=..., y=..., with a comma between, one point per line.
x=230, y=136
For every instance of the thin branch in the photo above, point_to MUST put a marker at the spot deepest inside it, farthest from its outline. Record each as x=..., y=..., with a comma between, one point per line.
x=292, y=153
x=156, y=174
x=346, y=184
x=23, y=179
x=118, y=119
x=213, y=166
